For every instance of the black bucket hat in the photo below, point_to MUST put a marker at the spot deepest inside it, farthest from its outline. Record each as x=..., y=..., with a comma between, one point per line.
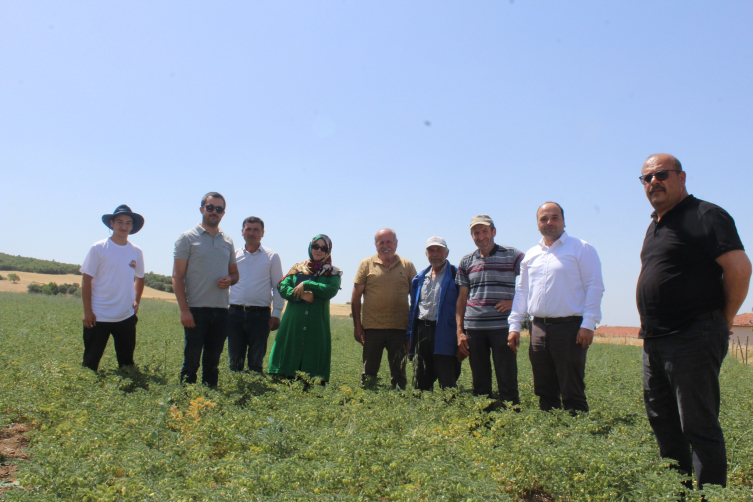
x=138, y=220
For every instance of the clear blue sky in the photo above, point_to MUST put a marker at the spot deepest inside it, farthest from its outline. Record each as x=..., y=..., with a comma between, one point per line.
x=343, y=117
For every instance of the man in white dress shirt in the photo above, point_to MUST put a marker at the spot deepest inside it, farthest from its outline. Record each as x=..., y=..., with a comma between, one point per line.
x=250, y=321
x=561, y=287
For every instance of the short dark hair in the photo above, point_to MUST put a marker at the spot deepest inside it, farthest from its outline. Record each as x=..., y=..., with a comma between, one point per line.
x=217, y=195
x=562, y=211
x=253, y=219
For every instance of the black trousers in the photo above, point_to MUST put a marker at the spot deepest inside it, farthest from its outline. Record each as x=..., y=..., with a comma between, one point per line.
x=376, y=340
x=482, y=342
x=559, y=365
x=203, y=344
x=247, y=331
x=95, y=342
x=681, y=393
x=429, y=367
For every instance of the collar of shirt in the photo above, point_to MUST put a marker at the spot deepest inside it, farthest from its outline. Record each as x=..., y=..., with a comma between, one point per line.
x=379, y=261
x=200, y=229
x=494, y=250
x=679, y=205
x=559, y=242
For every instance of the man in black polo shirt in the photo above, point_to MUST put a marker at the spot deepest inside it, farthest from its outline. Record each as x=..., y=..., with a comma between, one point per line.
x=694, y=277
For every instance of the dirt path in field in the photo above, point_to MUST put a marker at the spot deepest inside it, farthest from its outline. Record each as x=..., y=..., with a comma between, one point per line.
x=13, y=445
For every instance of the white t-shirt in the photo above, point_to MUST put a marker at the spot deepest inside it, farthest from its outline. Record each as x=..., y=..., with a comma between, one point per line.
x=113, y=268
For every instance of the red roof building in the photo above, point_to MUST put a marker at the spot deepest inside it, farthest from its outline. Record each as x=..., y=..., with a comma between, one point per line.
x=743, y=320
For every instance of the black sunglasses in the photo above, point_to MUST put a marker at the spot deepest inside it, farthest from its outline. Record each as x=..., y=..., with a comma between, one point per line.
x=660, y=175
x=216, y=209
x=317, y=247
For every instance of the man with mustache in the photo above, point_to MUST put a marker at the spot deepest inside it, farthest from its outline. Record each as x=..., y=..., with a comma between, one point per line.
x=561, y=287
x=204, y=268
x=249, y=317
x=694, y=277
x=384, y=282
x=486, y=279
x=432, y=328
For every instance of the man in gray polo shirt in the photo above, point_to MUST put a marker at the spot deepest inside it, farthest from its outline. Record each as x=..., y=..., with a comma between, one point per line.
x=203, y=270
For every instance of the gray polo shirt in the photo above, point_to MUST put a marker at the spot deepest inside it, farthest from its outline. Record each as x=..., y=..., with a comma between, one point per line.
x=208, y=260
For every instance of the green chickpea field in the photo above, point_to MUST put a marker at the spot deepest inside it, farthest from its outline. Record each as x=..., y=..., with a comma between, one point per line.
x=139, y=435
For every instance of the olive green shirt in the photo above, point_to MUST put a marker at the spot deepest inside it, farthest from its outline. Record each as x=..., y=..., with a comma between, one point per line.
x=385, y=299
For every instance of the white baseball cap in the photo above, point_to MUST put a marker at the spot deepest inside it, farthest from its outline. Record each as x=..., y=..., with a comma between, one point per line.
x=436, y=241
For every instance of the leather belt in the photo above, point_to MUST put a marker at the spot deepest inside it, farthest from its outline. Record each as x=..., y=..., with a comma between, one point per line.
x=558, y=320
x=249, y=308
x=426, y=322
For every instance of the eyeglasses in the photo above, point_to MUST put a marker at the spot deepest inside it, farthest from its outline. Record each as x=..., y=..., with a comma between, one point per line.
x=216, y=209
x=660, y=175
x=317, y=247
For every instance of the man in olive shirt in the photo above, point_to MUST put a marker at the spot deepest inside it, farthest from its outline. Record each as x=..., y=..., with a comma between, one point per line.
x=384, y=282
x=203, y=270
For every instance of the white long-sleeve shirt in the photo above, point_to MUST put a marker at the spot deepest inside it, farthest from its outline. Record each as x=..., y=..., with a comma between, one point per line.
x=259, y=273
x=560, y=280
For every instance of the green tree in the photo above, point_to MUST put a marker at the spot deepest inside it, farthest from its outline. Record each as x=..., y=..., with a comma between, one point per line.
x=34, y=287
x=50, y=288
x=13, y=278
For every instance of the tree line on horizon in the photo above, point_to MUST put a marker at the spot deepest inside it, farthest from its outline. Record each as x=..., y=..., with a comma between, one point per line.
x=36, y=266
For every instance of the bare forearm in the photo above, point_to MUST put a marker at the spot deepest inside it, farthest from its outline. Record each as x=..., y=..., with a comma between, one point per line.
x=735, y=291
x=460, y=312
x=735, y=281
x=86, y=295
x=355, y=309
x=138, y=286
x=179, y=288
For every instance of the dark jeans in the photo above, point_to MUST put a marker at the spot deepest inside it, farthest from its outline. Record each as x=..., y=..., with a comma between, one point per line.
x=95, y=341
x=376, y=340
x=559, y=365
x=681, y=393
x=247, y=330
x=429, y=367
x=208, y=336
x=481, y=342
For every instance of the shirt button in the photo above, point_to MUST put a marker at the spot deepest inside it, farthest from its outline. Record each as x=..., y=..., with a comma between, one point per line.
x=307, y=312
x=304, y=328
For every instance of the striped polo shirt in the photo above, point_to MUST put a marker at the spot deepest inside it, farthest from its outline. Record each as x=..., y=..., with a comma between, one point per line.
x=489, y=280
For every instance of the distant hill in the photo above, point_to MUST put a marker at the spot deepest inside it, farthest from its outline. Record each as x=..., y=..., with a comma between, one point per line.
x=36, y=266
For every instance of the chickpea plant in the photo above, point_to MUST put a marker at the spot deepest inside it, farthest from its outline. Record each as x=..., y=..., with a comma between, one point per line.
x=136, y=434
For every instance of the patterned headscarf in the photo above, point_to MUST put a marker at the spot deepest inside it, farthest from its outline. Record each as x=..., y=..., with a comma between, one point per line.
x=316, y=268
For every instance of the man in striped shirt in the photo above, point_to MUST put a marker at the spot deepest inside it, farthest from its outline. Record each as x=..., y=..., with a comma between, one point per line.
x=486, y=279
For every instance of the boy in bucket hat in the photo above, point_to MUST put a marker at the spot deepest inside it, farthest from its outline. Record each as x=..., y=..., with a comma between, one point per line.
x=112, y=287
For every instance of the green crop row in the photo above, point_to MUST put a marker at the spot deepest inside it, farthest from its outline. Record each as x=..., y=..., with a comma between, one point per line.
x=139, y=435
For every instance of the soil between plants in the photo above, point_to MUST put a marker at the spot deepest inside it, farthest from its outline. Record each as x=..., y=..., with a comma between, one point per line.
x=13, y=446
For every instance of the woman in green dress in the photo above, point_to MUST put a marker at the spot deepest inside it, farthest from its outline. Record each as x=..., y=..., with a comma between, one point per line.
x=304, y=341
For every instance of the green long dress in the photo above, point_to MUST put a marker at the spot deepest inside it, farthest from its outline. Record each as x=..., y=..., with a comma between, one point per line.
x=304, y=341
